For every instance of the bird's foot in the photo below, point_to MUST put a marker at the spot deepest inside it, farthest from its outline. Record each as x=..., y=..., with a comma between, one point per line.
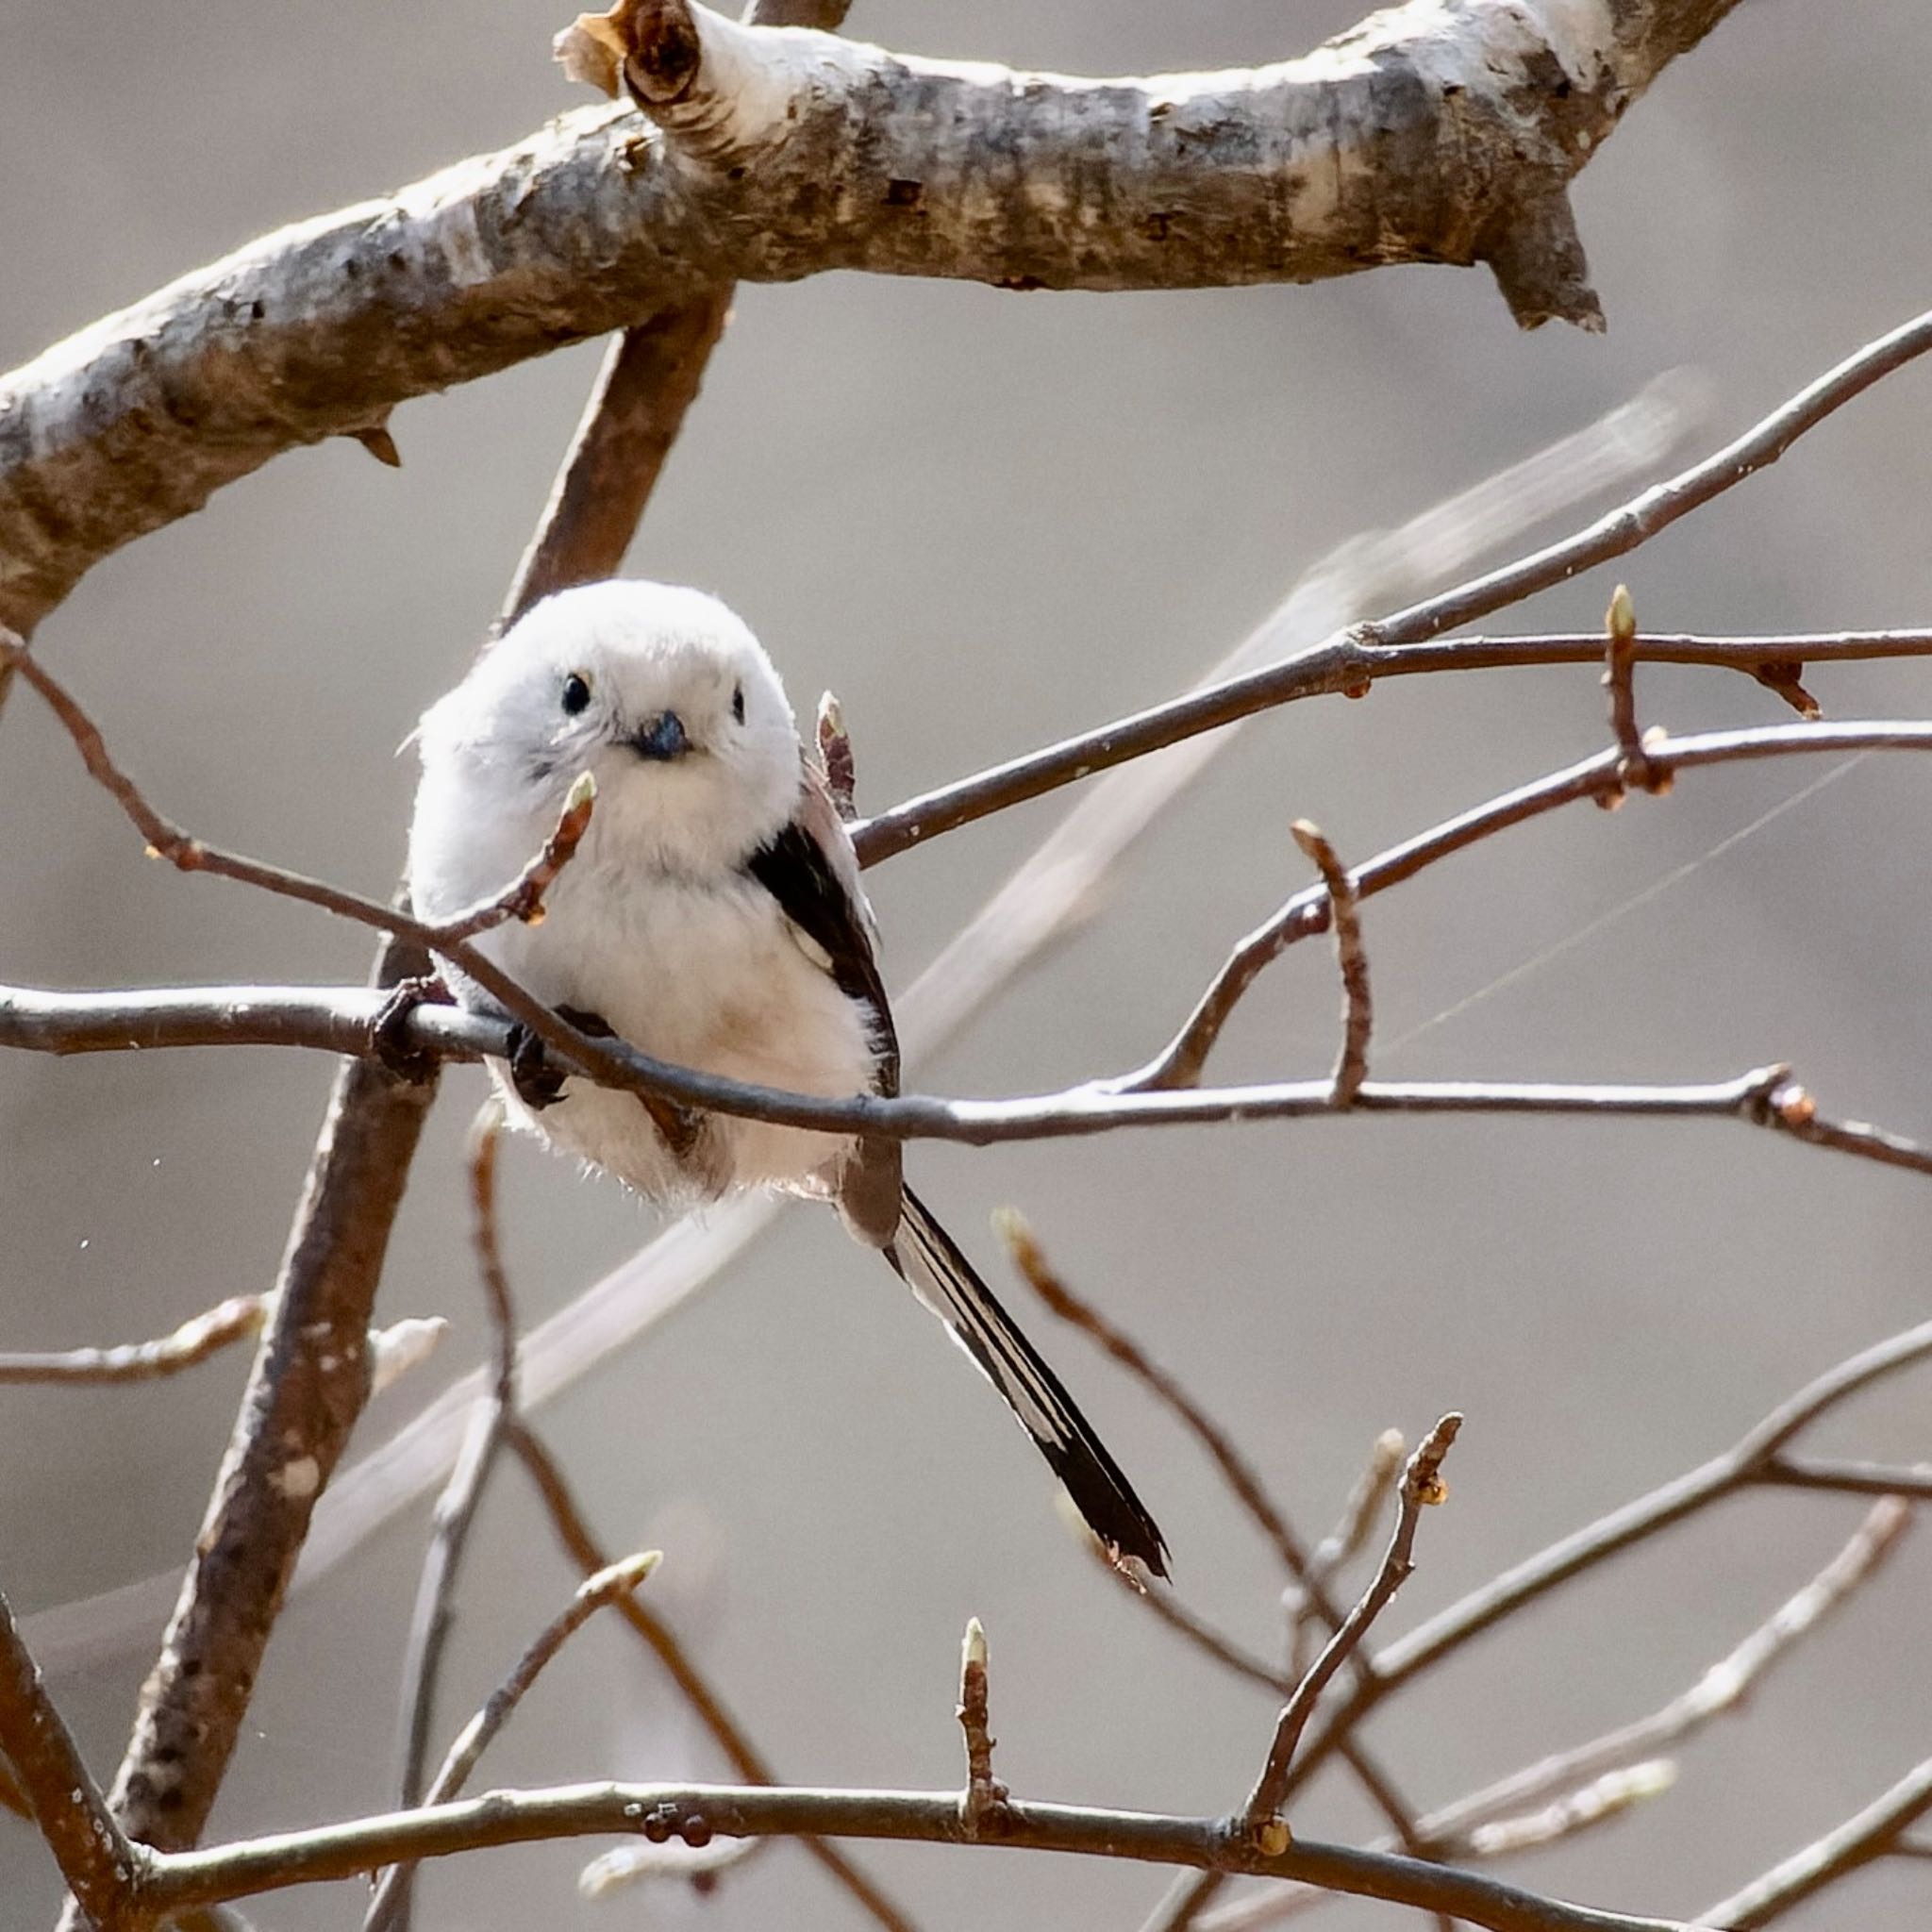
x=539, y=1082
x=388, y=1030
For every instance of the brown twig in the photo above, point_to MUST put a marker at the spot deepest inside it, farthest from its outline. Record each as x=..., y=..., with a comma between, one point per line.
x=1349, y=661
x=1721, y=1690
x=1422, y=1486
x=606, y=1587
x=522, y=898
x=104, y=1872
x=730, y=1735
x=980, y=1801
x=195, y=1342
x=1344, y=917
x=1871, y=1833
x=650, y=377
x=1620, y=647
x=1745, y=1464
x=1179, y=1064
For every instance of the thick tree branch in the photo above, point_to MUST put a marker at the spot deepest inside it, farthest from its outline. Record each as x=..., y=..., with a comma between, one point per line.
x=1439, y=132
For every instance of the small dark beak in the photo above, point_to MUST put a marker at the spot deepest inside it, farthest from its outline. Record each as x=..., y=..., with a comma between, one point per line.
x=661, y=737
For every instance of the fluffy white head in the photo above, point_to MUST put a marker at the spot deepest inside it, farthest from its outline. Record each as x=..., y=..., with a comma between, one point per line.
x=658, y=692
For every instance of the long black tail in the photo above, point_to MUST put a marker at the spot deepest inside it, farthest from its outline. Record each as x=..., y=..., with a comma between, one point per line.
x=944, y=1280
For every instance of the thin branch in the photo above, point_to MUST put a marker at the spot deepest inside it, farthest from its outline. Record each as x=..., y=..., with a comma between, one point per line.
x=1856, y=1478
x=1352, y=959
x=746, y=1760
x=1351, y=659
x=522, y=898
x=1422, y=1485
x=1633, y=759
x=1723, y=1689
x=1742, y=1466
x=1871, y=1833
x=980, y=1803
x=105, y=1872
x=1180, y=1063
x=606, y=1587
x=195, y=1342
x=706, y=1811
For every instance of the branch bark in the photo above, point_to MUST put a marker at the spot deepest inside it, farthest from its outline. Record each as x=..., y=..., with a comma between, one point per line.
x=701, y=1812
x=1439, y=132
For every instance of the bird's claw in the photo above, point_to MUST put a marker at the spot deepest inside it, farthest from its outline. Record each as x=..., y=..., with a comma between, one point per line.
x=538, y=1081
x=388, y=1030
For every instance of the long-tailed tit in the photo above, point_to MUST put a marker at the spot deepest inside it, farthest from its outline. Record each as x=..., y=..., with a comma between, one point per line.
x=713, y=917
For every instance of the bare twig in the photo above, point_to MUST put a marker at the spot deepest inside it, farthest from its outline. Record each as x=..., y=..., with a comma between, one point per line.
x=1351, y=659
x=745, y=1758
x=1633, y=761
x=1858, y=1478
x=104, y=1872
x=980, y=1801
x=1180, y=1063
x=606, y=1587
x=522, y=898
x=1871, y=1833
x=1722, y=1689
x=306, y=1390
x=1358, y=1008
x=198, y=1338
x=1422, y=1485
x=1745, y=1464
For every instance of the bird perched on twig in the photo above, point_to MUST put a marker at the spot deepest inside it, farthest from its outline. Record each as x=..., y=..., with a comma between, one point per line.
x=712, y=916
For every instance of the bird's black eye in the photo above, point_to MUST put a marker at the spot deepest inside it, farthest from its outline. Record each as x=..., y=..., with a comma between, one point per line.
x=738, y=704
x=576, y=692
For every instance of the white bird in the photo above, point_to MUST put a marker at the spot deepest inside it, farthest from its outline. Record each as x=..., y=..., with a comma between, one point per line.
x=712, y=916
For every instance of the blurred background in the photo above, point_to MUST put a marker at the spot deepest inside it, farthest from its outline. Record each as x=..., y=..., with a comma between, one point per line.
x=987, y=520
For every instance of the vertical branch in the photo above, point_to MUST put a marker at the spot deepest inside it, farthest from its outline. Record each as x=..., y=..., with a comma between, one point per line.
x=101, y=1868
x=1344, y=915
x=980, y=1801
x=1619, y=679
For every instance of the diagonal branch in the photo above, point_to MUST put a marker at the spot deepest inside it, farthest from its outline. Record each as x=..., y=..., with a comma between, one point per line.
x=105, y=1872
x=1451, y=126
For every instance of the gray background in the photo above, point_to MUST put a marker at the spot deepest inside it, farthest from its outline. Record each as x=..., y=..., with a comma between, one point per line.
x=986, y=520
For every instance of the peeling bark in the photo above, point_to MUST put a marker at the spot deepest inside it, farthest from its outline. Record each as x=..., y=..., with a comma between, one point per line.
x=1443, y=131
